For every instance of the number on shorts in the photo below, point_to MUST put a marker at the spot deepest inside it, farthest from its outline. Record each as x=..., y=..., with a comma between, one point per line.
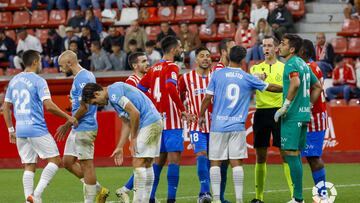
x=22, y=99
x=195, y=137
x=157, y=93
x=232, y=93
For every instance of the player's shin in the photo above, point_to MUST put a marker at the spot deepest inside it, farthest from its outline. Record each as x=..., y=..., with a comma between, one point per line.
x=203, y=174
x=260, y=177
x=149, y=183
x=139, y=184
x=46, y=176
x=157, y=171
x=319, y=180
x=215, y=177
x=173, y=181
x=129, y=184
x=296, y=172
x=89, y=193
x=224, y=167
x=238, y=178
x=288, y=178
x=28, y=183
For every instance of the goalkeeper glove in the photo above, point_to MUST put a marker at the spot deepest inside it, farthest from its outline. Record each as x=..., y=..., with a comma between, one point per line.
x=282, y=110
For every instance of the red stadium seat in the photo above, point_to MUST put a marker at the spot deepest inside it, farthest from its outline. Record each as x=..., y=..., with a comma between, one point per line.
x=296, y=8
x=194, y=28
x=149, y=15
x=5, y=19
x=191, y=2
x=354, y=102
x=152, y=32
x=226, y=30
x=351, y=27
x=184, y=13
x=21, y=18
x=175, y=28
x=221, y=11
x=214, y=49
x=206, y=37
x=57, y=17
x=340, y=45
x=4, y=3
x=49, y=70
x=16, y=4
x=42, y=34
x=39, y=18
x=199, y=14
x=353, y=47
x=11, y=34
x=12, y=71
x=166, y=14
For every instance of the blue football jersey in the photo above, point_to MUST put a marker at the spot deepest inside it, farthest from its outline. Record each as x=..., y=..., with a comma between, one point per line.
x=27, y=91
x=120, y=92
x=232, y=89
x=88, y=122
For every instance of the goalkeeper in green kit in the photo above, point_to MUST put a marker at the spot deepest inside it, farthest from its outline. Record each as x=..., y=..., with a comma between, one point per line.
x=296, y=109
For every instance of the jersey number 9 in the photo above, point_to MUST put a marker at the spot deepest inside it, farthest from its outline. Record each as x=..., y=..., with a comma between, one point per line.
x=232, y=94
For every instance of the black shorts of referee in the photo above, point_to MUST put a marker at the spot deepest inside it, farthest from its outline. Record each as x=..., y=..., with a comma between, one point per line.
x=264, y=126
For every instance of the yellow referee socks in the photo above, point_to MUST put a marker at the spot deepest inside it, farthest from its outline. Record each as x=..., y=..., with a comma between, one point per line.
x=288, y=179
x=260, y=177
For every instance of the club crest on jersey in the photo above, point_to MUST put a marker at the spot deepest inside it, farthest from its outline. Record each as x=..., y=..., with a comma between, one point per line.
x=174, y=75
x=113, y=97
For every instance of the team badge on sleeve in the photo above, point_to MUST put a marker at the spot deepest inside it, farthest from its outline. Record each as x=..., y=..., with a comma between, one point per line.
x=174, y=75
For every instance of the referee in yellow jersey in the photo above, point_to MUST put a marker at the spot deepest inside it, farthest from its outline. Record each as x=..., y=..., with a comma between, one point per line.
x=267, y=103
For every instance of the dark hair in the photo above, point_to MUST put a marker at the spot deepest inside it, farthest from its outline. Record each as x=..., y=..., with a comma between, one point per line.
x=237, y=54
x=338, y=58
x=294, y=41
x=246, y=18
x=200, y=49
x=276, y=40
x=29, y=56
x=150, y=43
x=133, y=42
x=89, y=90
x=96, y=43
x=133, y=58
x=223, y=44
x=52, y=32
x=116, y=42
x=73, y=41
x=167, y=43
x=86, y=26
x=308, y=49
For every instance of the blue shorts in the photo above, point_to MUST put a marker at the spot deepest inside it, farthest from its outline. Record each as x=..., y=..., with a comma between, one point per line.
x=200, y=141
x=172, y=141
x=314, y=144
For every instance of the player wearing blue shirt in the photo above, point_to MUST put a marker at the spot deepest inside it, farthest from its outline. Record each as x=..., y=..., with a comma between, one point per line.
x=80, y=142
x=145, y=129
x=231, y=89
x=28, y=93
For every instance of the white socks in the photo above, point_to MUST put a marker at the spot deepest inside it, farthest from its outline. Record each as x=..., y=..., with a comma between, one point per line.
x=139, y=184
x=90, y=193
x=46, y=176
x=238, y=178
x=215, y=177
x=98, y=186
x=149, y=183
x=28, y=183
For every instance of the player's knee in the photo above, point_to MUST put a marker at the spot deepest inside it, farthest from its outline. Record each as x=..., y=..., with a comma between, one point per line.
x=56, y=160
x=174, y=157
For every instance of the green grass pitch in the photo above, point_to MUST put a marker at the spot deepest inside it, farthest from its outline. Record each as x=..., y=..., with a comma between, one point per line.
x=65, y=188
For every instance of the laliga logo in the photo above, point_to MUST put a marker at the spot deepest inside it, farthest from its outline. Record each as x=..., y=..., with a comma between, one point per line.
x=331, y=196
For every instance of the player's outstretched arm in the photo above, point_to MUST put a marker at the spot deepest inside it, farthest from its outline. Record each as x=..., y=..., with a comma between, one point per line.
x=9, y=123
x=54, y=109
x=315, y=92
x=204, y=106
x=274, y=88
x=134, y=115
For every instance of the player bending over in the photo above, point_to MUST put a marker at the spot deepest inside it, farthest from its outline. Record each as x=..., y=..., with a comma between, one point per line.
x=28, y=92
x=231, y=89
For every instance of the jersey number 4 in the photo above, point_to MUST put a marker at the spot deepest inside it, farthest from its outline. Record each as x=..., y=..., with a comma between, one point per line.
x=157, y=93
x=22, y=99
x=232, y=94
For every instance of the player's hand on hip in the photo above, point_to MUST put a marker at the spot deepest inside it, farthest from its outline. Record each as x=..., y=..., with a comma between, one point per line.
x=12, y=138
x=61, y=132
x=118, y=155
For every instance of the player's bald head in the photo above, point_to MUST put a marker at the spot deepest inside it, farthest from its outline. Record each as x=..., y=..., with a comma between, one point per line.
x=68, y=62
x=68, y=56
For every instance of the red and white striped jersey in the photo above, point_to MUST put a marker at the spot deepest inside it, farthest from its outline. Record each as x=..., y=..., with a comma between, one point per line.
x=218, y=66
x=318, y=120
x=192, y=87
x=161, y=84
x=133, y=80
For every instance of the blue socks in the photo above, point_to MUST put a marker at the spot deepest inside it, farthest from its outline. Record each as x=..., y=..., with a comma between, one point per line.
x=157, y=171
x=223, y=170
x=130, y=183
x=173, y=180
x=319, y=177
x=203, y=174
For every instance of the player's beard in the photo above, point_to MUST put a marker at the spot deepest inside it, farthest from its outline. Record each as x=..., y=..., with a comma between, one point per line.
x=179, y=57
x=68, y=73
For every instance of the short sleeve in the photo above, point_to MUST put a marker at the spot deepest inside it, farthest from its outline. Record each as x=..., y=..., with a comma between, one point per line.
x=8, y=94
x=211, y=87
x=313, y=78
x=172, y=74
x=43, y=90
x=255, y=83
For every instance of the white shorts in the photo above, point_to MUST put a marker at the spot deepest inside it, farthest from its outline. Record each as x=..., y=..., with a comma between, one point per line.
x=149, y=140
x=80, y=144
x=30, y=148
x=227, y=145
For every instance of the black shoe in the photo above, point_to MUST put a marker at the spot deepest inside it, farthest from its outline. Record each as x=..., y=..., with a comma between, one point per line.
x=256, y=201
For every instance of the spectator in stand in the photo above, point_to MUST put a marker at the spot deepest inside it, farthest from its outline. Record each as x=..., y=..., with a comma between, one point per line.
x=92, y=21
x=114, y=36
x=85, y=4
x=262, y=29
x=7, y=48
x=281, y=20
x=189, y=41
x=99, y=58
x=60, y=4
x=352, y=9
x=169, y=3
x=77, y=21
x=87, y=36
x=344, y=80
x=83, y=59
x=138, y=34
x=69, y=31
x=165, y=31
x=324, y=54
x=51, y=48
x=118, y=56
x=245, y=36
x=26, y=42
x=259, y=12
x=133, y=47
x=209, y=7
x=153, y=55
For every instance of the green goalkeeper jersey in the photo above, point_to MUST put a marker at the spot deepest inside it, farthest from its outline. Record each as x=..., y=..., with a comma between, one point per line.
x=299, y=109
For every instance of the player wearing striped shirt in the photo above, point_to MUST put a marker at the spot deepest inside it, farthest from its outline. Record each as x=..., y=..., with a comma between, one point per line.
x=317, y=126
x=161, y=81
x=224, y=47
x=192, y=87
